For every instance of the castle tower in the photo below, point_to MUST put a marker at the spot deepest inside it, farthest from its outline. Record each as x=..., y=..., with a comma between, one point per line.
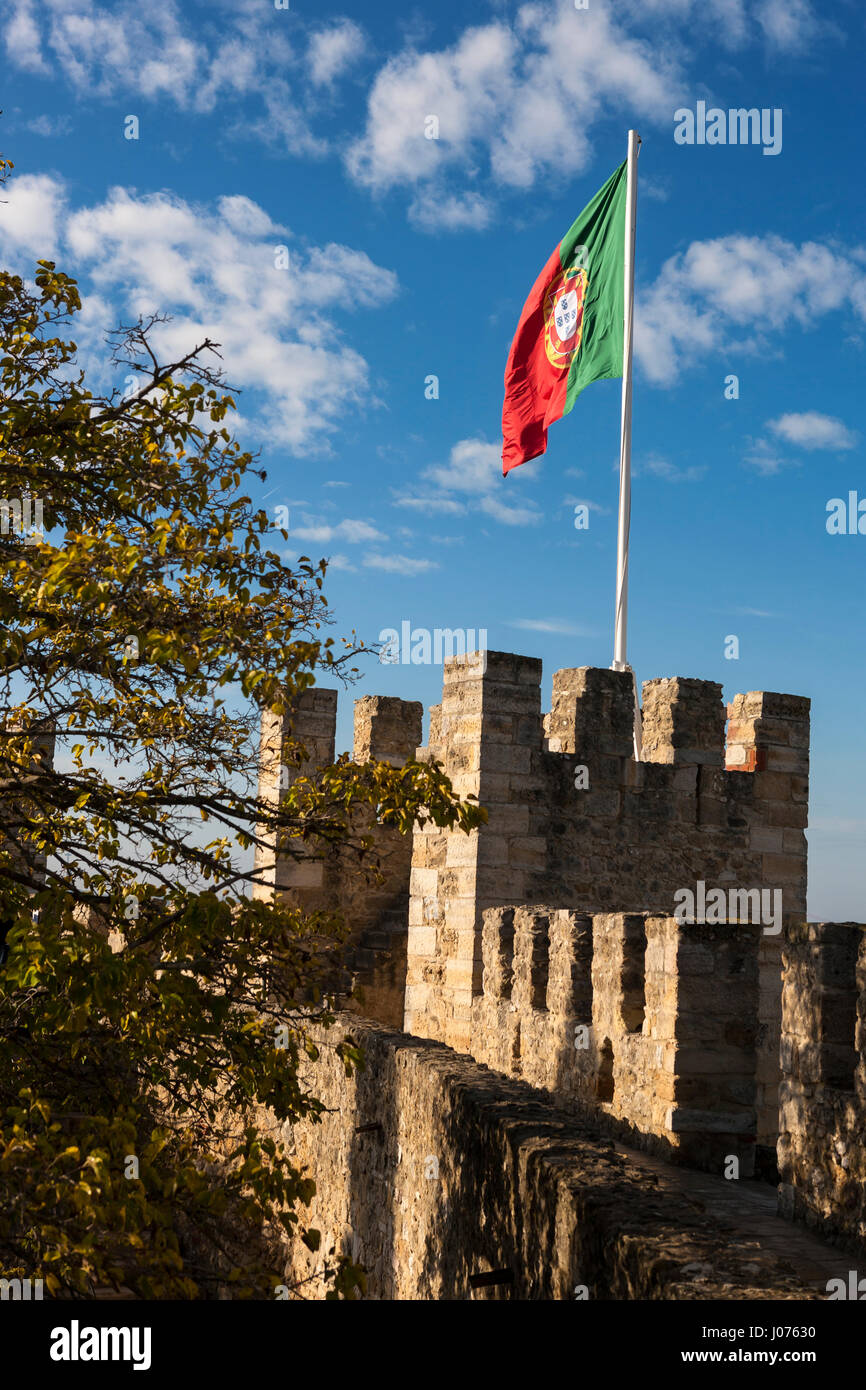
x=373, y=899
x=487, y=732
x=295, y=745
x=576, y=824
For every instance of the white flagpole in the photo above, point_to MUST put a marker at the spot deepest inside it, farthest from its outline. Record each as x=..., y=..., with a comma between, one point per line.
x=620, y=662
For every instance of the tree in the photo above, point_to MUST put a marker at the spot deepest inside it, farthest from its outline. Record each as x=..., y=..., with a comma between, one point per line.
x=151, y=1010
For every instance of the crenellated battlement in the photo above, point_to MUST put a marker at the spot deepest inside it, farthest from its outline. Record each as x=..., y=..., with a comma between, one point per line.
x=651, y=1024
x=576, y=823
x=314, y=877
x=719, y=800
x=822, y=1119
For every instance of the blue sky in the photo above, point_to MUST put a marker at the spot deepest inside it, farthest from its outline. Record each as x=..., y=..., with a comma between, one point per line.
x=410, y=257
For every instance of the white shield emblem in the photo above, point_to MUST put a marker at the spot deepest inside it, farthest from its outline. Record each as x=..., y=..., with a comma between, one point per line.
x=565, y=315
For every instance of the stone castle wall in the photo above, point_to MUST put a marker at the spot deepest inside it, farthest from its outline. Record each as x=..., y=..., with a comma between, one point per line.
x=371, y=892
x=822, y=1118
x=448, y=1181
x=575, y=823
x=649, y=1024
x=679, y=1025
x=684, y=1023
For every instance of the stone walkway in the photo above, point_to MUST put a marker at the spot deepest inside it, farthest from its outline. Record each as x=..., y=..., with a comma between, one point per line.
x=749, y=1207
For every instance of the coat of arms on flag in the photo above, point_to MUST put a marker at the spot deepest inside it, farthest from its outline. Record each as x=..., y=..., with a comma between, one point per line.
x=563, y=316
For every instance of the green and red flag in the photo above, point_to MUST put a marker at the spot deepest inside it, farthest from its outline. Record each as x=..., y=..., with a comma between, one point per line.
x=571, y=330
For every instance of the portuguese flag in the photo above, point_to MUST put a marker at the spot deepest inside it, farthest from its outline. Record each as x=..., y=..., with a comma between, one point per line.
x=571, y=330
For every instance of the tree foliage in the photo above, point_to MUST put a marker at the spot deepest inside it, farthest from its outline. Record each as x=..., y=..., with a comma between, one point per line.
x=153, y=1012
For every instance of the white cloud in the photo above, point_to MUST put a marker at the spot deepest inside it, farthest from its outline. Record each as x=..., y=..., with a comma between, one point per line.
x=282, y=333
x=725, y=21
x=128, y=47
x=433, y=502
x=474, y=473
x=838, y=825
x=49, y=125
x=555, y=625
x=508, y=512
x=663, y=468
x=398, y=564
x=333, y=50
x=806, y=429
x=348, y=530
x=23, y=43
x=728, y=294
x=284, y=123
x=246, y=217
x=571, y=501
x=657, y=190
x=339, y=273
x=29, y=214
x=513, y=104
x=473, y=466
x=810, y=430
x=435, y=212
x=788, y=25
x=732, y=26
x=764, y=457
x=458, y=87
x=165, y=51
